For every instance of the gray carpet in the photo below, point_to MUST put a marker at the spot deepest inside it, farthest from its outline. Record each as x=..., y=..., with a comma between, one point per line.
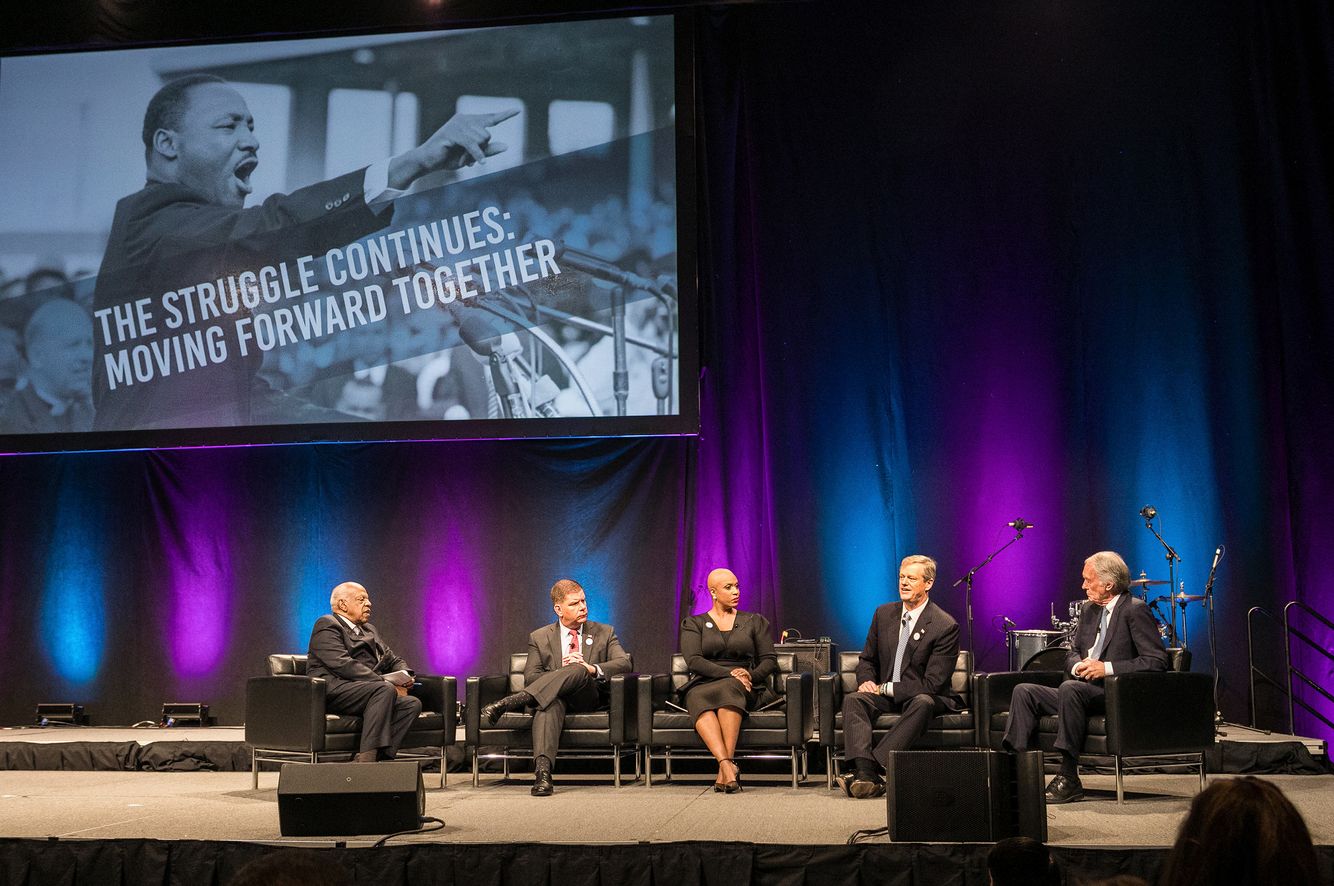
x=221, y=806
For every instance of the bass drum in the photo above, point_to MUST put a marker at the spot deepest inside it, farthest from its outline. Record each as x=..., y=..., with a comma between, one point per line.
x=1052, y=659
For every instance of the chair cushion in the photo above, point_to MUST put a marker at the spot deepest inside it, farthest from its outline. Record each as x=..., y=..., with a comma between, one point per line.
x=520, y=720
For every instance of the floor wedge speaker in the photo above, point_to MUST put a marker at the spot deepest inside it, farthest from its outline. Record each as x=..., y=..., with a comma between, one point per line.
x=342, y=799
x=963, y=796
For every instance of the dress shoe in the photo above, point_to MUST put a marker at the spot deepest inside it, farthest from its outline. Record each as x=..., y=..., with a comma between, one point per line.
x=844, y=780
x=1064, y=789
x=866, y=788
x=367, y=756
x=516, y=702
x=542, y=786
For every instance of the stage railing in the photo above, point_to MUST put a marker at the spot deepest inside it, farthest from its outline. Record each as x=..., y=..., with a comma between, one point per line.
x=1292, y=674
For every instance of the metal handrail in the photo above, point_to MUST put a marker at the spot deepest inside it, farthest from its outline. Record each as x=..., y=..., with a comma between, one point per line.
x=1288, y=633
x=1250, y=659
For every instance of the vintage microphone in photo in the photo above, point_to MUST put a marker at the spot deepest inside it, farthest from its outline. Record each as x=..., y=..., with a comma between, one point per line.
x=500, y=350
x=544, y=397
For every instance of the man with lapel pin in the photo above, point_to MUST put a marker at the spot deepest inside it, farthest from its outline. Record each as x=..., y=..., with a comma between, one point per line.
x=1116, y=635
x=569, y=663
x=366, y=678
x=905, y=668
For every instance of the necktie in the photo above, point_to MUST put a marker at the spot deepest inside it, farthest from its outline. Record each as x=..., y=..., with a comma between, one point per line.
x=903, y=644
x=574, y=641
x=1095, y=652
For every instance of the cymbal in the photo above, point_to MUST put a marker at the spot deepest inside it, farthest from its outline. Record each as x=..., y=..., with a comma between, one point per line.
x=1188, y=598
x=1148, y=582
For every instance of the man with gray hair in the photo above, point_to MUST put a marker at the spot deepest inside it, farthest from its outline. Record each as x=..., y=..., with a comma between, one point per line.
x=1116, y=635
x=366, y=678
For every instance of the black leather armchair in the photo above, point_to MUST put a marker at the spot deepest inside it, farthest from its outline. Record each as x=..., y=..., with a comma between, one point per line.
x=956, y=729
x=1150, y=717
x=285, y=719
x=598, y=734
x=780, y=729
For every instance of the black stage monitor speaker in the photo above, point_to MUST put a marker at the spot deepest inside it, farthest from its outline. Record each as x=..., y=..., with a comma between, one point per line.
x=340, y=799
x=965, y=796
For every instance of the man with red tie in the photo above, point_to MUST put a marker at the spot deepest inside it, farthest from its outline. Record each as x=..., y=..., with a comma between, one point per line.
x=366, y=678
x=569, y=663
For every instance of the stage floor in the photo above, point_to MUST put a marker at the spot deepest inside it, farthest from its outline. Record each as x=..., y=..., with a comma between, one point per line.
x=221, y=806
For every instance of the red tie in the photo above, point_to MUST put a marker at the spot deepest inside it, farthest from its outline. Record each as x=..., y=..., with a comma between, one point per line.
x=574, y=641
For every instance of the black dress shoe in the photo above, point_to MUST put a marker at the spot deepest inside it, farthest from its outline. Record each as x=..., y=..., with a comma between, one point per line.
x=516, y=702
x=542, y=786
x=1064, y=790
x=844, y=780
x=866, y=788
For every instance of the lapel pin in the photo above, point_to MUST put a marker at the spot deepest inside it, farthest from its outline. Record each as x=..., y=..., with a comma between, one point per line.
x=588, y=641
x=708, y=624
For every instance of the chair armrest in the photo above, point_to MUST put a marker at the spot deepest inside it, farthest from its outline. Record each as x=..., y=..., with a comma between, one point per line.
x=623, y=707
x=650, y=695
x=478, y=693
x=829, y=692
x=285, y=712
x=991, y=695
x=797, y=697
x=439, y=694
x=1159, y=712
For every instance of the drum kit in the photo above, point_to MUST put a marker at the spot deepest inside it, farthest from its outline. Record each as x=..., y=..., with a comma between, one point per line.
x=1045, y=650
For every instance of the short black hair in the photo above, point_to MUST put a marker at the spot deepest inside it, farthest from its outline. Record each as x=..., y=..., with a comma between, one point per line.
x=168, y=104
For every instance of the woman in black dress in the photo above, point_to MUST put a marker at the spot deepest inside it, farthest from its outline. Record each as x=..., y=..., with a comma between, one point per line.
x=730, y=655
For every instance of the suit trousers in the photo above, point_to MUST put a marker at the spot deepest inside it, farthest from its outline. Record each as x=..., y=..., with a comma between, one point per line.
x=860, y=710
x=386, y=717
x=571, y=688
x=1072, y=703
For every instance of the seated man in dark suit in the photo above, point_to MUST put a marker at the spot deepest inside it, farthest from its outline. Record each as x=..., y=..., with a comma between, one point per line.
x=1116, y=635
x=905, y=668
x=568, y=664
x=366, y=678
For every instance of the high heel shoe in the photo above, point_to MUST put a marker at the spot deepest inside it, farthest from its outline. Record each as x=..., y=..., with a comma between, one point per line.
x=733, y=786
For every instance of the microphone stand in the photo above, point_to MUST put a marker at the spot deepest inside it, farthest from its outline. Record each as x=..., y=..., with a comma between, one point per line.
x=1172, y=560
x=967, y=582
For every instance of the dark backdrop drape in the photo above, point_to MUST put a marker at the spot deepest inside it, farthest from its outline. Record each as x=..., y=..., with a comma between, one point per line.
x=960, y=263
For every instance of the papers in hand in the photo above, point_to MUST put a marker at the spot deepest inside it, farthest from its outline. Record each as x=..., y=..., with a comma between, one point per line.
x=399, y=678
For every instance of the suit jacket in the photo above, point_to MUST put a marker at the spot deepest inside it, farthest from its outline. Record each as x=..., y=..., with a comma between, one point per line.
x=1132, y=643
x=340, y=656
x=165, y=237
x=928, y=660
x=601, y=647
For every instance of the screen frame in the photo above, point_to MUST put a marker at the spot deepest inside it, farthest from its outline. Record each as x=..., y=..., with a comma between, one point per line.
x=686, y=422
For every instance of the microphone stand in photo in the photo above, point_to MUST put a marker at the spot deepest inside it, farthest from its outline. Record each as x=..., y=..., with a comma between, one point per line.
x=967, y=581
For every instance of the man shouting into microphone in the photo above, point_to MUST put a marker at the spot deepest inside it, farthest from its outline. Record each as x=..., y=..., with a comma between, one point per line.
x=190, y=223
x=569, y=663
x=1116, y=635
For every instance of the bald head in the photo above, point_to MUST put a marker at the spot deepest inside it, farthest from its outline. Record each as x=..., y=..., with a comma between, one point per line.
x=724, y=589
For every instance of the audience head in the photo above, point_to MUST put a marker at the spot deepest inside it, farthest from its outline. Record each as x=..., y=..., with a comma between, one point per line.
x=1021, y=861
x=570, y=602
x=351, y=601
x=1241, y=832
x=917, y=573
x=1105, y=575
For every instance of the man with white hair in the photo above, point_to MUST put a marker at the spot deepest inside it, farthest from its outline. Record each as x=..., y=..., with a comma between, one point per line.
x=366, y=678
x=1116, y=635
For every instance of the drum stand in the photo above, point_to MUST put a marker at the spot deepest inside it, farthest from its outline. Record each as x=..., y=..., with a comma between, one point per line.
x=1172, y=560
